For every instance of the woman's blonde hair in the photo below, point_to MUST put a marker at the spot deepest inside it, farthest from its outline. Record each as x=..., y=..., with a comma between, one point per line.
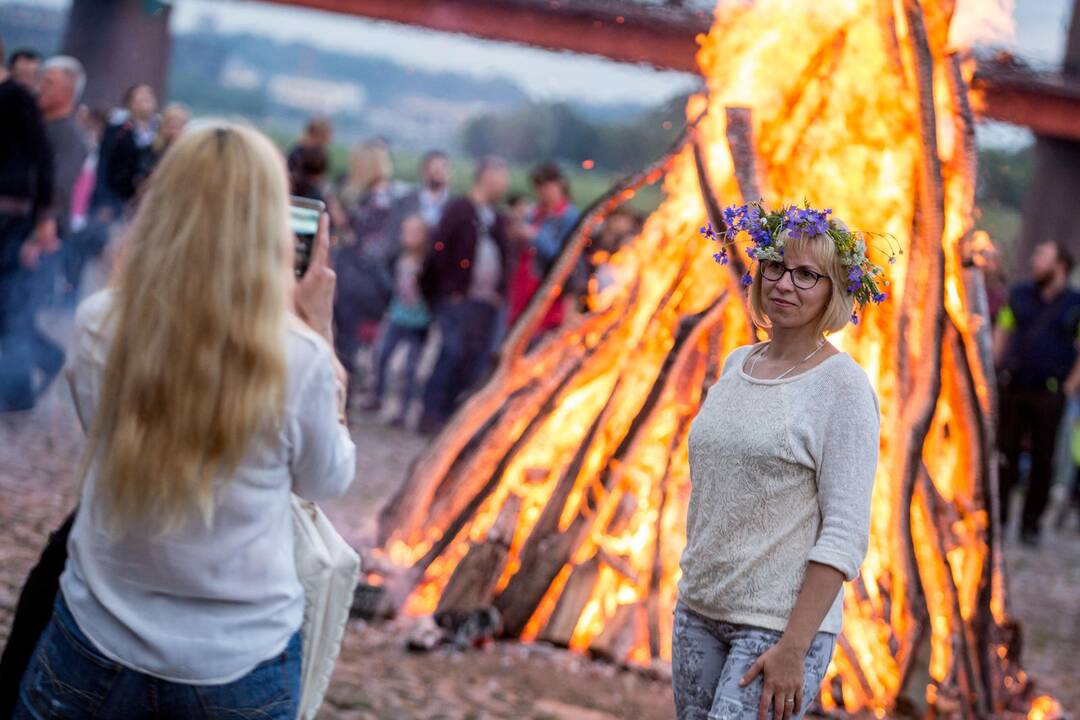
x=172, y=111
x=197, y=359
x=369, y=164
x=837, y=312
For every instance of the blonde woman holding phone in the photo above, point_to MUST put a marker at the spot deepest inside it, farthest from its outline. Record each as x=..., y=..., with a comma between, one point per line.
x=209, y=391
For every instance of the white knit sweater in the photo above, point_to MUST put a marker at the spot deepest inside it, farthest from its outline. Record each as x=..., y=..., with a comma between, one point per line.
x=781, y=474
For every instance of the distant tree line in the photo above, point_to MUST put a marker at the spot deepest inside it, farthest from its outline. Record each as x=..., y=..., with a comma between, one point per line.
x=1004, y=176
x=557, y=131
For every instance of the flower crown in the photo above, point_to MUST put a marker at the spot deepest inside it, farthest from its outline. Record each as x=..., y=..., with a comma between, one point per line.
x=766, y=230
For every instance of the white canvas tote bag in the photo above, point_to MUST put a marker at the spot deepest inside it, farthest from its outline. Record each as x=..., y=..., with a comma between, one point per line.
x=328, y=569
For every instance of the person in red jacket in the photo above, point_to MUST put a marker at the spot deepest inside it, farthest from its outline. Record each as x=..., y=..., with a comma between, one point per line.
x=547, y=229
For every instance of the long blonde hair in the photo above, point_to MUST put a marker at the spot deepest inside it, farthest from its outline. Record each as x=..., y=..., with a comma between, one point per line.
x=369, y=165
x=197, y=360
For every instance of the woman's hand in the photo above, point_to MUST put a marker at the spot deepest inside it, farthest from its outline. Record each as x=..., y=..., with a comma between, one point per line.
x=314, y=293
x=782, y=667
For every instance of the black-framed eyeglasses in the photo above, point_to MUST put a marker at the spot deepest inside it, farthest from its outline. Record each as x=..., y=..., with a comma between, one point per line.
x=803, y=277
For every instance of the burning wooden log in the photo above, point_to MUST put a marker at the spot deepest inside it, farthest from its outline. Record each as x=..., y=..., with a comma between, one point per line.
x=557, y=494
x=579, y=588
x=472, y=585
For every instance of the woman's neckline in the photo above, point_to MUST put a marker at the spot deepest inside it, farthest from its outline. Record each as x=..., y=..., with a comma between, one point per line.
x=763, y=381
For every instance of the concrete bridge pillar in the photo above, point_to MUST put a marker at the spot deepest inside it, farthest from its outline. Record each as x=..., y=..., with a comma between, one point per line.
x=1050, y=210
x=121, y=43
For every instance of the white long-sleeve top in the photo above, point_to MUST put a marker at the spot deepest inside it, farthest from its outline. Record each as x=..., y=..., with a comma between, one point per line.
x=206, y=604
x=781, y=474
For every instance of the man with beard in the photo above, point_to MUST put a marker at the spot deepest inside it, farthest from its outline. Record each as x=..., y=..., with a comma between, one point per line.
x=1035, y=350
x=426, y=199
x=464, y=282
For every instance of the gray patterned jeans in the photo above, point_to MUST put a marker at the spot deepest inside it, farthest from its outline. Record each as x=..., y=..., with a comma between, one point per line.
x=709, y=657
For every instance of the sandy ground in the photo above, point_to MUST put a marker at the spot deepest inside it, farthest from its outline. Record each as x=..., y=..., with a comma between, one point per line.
x=377, y=678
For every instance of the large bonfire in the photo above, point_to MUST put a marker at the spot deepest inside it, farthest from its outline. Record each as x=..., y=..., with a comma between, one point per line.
x=558, y=493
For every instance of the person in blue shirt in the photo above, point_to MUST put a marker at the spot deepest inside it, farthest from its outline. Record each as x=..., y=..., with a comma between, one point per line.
x=546, y=230
x=1035, y=352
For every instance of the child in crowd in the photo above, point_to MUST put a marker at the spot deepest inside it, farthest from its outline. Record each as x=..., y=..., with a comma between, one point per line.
x=408, y=318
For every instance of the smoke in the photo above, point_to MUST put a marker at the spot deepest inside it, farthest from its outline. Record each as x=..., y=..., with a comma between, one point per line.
x=982, y=22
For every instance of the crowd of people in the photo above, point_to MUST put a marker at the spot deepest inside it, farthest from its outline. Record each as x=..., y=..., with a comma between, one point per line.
x=412, y=258
x=69, y=175
x=409, y=258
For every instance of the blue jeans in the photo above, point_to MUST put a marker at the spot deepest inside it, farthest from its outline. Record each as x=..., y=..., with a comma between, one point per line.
x=69, y=678
x=467, y=328
x=24, y=349
x=709, y=657
x=414, y=339
x=81, y=247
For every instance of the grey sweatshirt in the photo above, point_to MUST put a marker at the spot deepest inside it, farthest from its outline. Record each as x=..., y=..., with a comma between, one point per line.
x=781, y=474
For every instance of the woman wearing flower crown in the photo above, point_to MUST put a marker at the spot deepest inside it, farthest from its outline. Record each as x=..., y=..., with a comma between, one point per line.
x=782, y=459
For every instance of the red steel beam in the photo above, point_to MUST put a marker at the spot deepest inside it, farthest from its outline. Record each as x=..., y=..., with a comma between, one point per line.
x=1048, y=105
x=667, y=38
x=663, y=37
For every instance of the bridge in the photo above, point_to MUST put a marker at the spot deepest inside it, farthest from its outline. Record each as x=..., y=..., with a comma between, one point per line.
x=122, y=42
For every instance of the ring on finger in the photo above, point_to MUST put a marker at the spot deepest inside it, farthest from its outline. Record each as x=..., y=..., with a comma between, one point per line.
x=790, y=701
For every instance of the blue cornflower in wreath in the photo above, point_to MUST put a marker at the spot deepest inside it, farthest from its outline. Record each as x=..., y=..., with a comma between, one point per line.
x=767, y=231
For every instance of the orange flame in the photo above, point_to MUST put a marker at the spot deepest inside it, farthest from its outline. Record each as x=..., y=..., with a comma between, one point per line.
x=1045, y=708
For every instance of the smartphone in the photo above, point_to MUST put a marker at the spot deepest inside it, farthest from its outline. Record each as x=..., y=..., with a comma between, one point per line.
x=304, y=215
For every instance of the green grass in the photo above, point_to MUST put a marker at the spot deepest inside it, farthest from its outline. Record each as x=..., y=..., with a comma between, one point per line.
x=1002, y=223
x=585, y=185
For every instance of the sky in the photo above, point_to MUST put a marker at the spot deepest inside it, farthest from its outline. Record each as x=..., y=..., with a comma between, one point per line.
x=1039, y=35
x=1041, y=28
x=542, y=74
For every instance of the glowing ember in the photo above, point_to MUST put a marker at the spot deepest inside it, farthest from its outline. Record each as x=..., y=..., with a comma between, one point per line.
x=562, y=485
x=1045, y=708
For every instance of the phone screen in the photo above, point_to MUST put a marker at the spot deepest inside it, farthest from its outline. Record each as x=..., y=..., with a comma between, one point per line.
x=304, y=221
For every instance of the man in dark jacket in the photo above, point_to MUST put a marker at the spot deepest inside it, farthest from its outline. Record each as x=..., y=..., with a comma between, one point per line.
x=427, y=199
x=27, y=231
x=464, y=280
x=1035, y=349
